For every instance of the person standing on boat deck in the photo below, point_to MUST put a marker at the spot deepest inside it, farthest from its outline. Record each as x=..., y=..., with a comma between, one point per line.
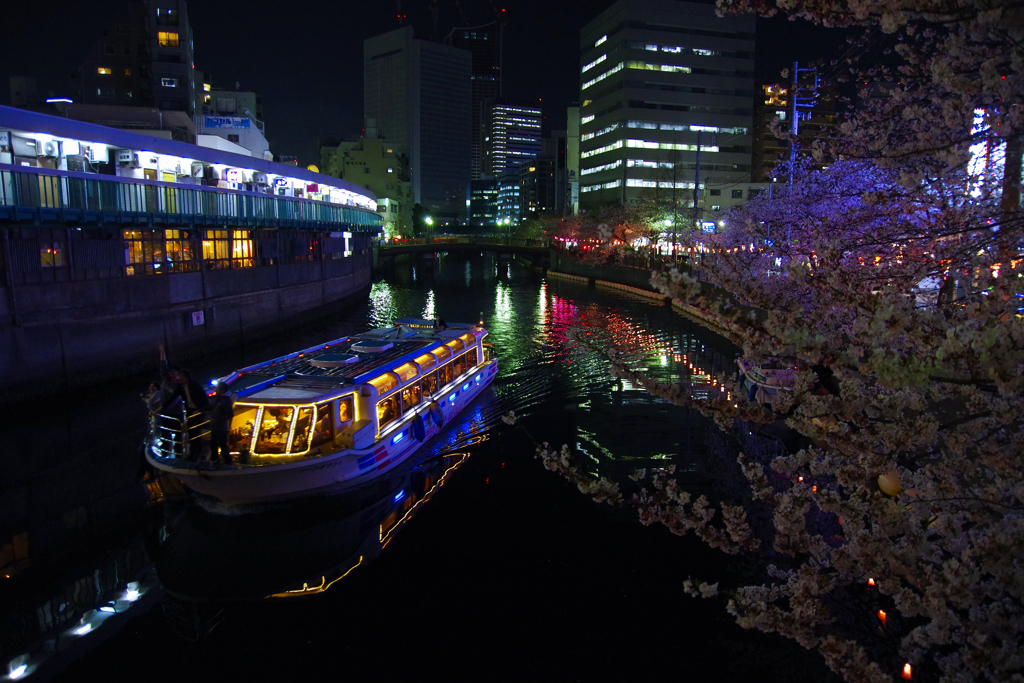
x=222, y=409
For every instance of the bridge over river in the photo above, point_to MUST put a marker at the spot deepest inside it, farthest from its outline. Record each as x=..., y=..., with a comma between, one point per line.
x=537, y=250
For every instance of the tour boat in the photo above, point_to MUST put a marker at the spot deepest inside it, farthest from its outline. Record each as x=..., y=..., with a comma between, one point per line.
x=334, y=415
x=766, y=380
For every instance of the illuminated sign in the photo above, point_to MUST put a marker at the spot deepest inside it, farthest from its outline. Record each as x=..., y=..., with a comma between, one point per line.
x=707, y=226
x=227, y=122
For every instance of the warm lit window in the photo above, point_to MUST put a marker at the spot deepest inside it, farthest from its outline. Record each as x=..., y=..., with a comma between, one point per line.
x=442, y=352
x=426, y=361
x=272, y=437
x=410, y=396
x=217, y=249
x=103, y=71
x=127, y=72
x=242, y=249
x=384, y=383
x=180, y=252
x=143, y=252
x=407, y=372
x=303, y=430
x=52, y=254
x=387, y=411
x=456, y=344
x=167, y=38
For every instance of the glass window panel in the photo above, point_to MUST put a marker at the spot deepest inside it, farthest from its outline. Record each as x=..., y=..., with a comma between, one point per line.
x=460, y=365
x=407, y=372
x=323, y=430
x=456, y=345
x=471, y=358
x=442, y=352
x=426, y=361
x=303, y=430
x=384, y=383
x=430, y=384
x=387, y=411
x=410, y=397
x=273, y=432
x=345, y=412
x=240, y=435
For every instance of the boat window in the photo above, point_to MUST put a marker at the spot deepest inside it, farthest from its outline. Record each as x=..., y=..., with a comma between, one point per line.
x=240, y=436
x=384, y=383
x=410, y=397
x=471, y=358
x=273, y=432
x=430, y=384
x=444, y=374
x=407, y=372
x=387, y=411
x=323, y=431
x=442, y=352
x=460, y=365
x=345, y=409
x=456, y=345
x=426, y=361
x=468, y=339
x=303, y=428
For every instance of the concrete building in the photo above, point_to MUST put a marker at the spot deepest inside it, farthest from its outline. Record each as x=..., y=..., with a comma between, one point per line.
x=382, y=168
x=113, y=241
x=483, y=204
x=484, y=43
x=572, y=161
x=663, y=83
x=235, y=117
x=145, y=59
x=419, y=93
x=542, y=181
x=512, y=134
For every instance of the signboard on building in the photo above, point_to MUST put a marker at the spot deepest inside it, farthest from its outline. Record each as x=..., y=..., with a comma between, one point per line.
x=227, y=122
x=198, y=318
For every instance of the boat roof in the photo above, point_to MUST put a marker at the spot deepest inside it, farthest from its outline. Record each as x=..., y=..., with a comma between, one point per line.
x=293, y=377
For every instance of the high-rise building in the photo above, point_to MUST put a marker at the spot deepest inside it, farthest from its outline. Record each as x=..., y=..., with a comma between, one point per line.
x=512, y=134
x=144, y=60
x=484, y=43
x=666, y=92
x=419, y=93
x=572, y=160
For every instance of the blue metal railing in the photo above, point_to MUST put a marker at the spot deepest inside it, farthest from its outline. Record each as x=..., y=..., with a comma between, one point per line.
x=45, y=194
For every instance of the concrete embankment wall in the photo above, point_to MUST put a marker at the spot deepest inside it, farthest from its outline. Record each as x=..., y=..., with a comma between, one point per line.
x=77, y=333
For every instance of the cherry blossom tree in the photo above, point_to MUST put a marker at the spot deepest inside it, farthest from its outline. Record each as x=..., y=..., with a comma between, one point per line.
x=897, y=538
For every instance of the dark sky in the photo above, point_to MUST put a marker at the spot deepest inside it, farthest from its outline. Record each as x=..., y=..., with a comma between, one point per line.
x=306, y=59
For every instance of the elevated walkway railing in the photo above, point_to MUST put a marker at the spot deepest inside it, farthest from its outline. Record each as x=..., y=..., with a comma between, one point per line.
x=46, y=195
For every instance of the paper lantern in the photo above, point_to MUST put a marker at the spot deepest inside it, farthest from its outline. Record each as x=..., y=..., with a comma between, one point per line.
x=889, y=483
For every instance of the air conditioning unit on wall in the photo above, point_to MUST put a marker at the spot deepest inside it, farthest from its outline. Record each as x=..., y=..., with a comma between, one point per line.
x=49, y=148
x=127, y=158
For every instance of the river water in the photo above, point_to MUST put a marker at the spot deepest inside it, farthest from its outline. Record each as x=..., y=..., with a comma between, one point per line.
x=471, y=563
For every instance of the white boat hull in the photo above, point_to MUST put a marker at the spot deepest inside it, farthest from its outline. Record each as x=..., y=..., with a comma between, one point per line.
x=245, y=484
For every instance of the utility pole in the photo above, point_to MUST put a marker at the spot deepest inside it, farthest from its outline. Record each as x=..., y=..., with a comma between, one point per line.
x=795, y=104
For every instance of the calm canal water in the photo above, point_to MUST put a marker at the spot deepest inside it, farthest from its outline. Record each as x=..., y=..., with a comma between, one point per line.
x=472, y=563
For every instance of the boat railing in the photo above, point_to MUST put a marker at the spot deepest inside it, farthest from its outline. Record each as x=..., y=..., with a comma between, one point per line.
x=178, y=433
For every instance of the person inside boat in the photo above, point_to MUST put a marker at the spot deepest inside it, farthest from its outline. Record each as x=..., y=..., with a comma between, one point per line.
x=152, y=397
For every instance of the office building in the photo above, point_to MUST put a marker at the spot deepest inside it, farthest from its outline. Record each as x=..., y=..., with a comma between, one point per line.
x=419, y=94
x=512, y=134
x=572, y=161
x=483, y=203
x=666, y=92
x=484, y=43
x=145, y=60
x=232, y=121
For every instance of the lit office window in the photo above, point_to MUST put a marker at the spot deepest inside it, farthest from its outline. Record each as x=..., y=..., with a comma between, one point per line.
x=169, y=82
x=103, y=71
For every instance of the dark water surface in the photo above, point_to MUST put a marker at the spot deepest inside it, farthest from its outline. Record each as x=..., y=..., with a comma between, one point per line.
x=471, y=563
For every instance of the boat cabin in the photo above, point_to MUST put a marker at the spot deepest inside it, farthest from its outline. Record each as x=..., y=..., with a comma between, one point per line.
x=351, y=392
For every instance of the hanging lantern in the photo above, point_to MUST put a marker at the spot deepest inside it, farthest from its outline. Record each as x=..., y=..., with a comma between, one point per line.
x=881, y=616
x=907, y=675
x=889, y=483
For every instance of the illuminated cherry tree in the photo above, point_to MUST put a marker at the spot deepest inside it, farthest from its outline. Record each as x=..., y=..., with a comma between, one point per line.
x=892, y=281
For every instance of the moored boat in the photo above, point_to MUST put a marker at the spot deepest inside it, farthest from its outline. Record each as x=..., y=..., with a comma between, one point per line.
x=334, y=415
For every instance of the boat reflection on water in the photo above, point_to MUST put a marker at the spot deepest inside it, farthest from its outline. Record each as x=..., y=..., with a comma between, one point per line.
x=293, y=551
x=218, y=554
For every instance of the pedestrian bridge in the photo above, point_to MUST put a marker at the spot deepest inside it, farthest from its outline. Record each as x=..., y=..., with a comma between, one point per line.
x=426, y=245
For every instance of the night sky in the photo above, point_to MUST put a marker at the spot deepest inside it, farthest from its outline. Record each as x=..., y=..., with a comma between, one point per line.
x=306, y=59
